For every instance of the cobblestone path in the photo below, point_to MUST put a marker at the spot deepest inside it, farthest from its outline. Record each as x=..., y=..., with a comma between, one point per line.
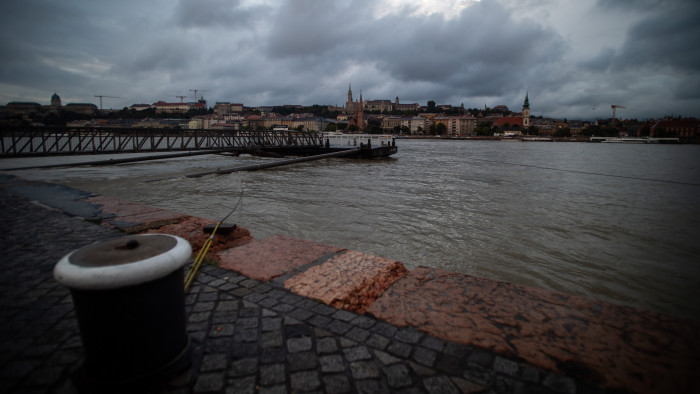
x=248, y=336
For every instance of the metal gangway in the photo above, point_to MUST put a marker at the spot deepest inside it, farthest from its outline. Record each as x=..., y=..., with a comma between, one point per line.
x=45, y=141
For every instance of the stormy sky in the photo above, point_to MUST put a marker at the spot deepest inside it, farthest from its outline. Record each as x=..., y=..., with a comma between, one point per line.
x=574, y=57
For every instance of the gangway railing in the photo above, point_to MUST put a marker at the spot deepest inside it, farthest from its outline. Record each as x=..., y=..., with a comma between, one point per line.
x=36, y=141
x=345, y=140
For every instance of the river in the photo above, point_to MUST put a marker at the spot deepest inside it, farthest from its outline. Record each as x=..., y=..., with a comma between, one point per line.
x=617, y=222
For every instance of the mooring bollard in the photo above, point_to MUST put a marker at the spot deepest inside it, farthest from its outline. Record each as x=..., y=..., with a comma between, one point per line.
x=129, y=300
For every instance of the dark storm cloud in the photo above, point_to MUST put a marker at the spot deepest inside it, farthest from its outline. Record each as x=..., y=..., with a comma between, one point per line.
x=307, y=52
x=667, y=37
x=32, y=36
x=655, y=69
x=484, y=42
x=483, y=51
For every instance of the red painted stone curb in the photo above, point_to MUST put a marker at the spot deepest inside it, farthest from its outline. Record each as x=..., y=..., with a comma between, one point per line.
x=619, y=347
x=616, y=346
x=351, y=280
x=275, y=256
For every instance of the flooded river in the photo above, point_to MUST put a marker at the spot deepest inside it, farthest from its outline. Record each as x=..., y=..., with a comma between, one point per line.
x=615, y=222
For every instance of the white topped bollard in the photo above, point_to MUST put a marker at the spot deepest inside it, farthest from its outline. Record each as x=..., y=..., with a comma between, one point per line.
x=129, y=300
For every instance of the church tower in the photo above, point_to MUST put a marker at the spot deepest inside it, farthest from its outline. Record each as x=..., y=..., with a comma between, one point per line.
x=350, y=106
x=360, y=115
x=358, y=118
x=526, y=112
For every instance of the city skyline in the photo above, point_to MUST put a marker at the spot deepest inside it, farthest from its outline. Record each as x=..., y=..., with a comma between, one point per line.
x=574, y=58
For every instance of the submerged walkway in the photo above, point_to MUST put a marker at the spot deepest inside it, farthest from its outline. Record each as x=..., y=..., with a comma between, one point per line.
x=267, y=331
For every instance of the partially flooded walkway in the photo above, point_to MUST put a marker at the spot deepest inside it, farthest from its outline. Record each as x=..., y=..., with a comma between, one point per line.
x=282, y=314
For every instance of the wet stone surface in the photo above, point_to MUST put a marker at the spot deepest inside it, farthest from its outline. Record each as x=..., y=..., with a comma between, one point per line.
x=612, y=345
x=247, y=336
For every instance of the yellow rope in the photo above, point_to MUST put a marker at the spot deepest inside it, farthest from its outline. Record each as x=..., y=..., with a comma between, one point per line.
x=200, y=257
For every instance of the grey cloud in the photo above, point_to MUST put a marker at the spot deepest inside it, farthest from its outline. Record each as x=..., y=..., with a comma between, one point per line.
x=484, y=51
x=303, y=28
x=668, y=37
x=633, y=4
x=229, y=14
x=601, y=62
x=688, y=89
x=305, y=52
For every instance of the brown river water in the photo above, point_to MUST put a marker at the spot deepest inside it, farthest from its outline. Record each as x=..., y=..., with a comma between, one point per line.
x=617, y=222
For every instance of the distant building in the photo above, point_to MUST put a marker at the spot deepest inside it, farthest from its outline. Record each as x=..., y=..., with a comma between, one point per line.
x=378, y=105
x=502, y=109
x=511, y=122
x=147, y=123
x=683, y=128
x=405, y=107
x=508, y=122
x=55, y=101
x=311, y=123
x=415, y=124
x=164, y=107
x=222, y=108
x=457, y=125
x=22, y=108
x=140, y=107
x=81, y=108
x=389, y=123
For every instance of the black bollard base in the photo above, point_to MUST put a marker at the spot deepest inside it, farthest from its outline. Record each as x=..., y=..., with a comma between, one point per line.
x=134, y=337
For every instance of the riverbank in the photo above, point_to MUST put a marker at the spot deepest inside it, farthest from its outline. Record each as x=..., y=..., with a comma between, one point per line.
x=425, y=328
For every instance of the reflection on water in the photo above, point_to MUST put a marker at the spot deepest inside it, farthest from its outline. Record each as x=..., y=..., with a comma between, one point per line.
x=464, y=206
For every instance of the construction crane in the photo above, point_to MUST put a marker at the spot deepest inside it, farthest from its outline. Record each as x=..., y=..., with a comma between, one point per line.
x=181, y=98
x=614, y=107
x=100, y=96
x=195, y=92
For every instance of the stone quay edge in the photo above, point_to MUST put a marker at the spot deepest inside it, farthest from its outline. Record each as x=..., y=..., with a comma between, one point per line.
x=607, y=346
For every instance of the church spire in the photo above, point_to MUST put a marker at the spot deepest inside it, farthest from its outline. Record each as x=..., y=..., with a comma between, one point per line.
x=526, y=104
x=526, y=112
x=349, y=93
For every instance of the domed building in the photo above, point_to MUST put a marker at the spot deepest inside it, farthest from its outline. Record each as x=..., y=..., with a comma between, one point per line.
x=55, y=101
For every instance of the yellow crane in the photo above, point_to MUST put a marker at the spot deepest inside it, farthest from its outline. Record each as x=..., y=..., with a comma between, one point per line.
x=614, y=107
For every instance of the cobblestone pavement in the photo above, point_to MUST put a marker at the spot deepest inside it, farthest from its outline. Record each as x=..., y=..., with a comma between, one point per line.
x=247, y=336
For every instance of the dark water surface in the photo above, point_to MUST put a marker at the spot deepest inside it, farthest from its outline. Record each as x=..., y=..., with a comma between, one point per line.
x=538, y=214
